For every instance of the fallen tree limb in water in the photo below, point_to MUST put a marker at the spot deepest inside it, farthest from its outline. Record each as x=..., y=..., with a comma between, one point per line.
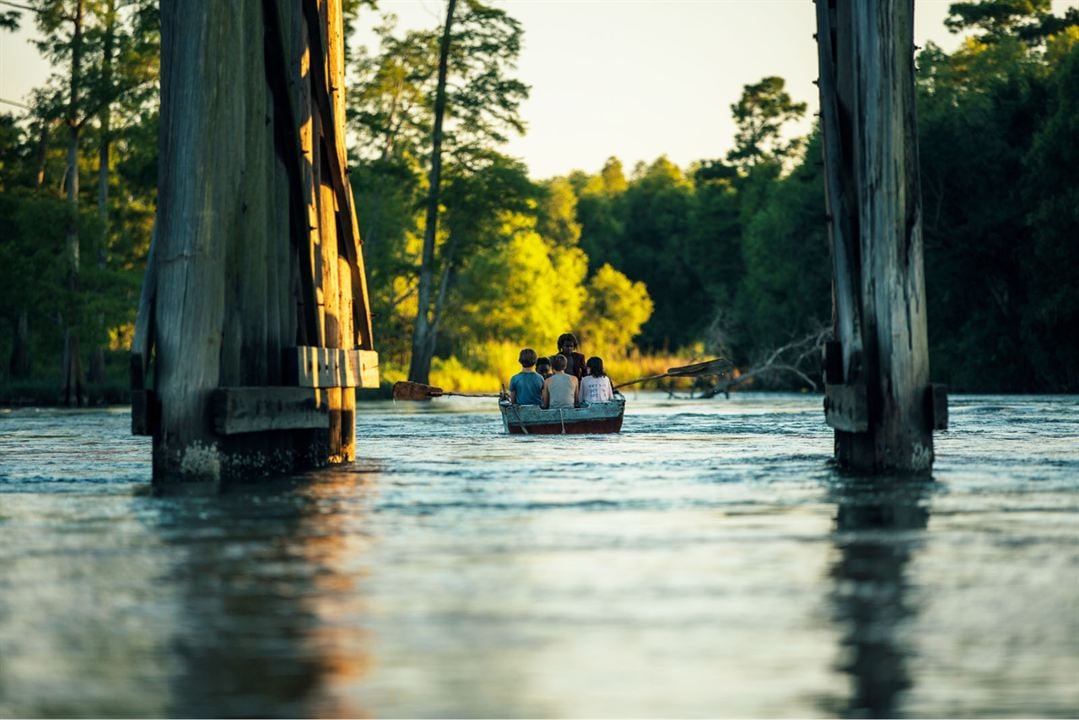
x=791, y=358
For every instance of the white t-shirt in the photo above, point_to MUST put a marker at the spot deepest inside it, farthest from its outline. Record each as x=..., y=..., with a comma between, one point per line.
x=596, y=389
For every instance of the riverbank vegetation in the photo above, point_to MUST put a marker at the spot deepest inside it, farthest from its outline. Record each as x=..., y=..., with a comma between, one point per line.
x=651, y=266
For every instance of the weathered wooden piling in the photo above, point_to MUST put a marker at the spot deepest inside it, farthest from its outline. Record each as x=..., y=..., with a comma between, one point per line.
x=877, y=391
x=254, y=326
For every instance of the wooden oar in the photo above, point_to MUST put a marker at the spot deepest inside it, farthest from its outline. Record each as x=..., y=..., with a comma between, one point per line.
x=405, y=390
x=717, y=366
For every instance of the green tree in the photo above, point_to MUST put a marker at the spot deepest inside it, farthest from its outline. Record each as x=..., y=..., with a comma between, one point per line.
x=615, y=310
x=524, y=289
x=9, y=19
x=1052, y=263
x=107, y=51
x=388, y=193
x=994, y=287
x=716, y=235
x=557, y=213
x=997, y=18
x=657, y=250
x=600, y=213
x=759, y=116
x=476, y=206
x=476, y=103
x=785, y=292
x=390, y=108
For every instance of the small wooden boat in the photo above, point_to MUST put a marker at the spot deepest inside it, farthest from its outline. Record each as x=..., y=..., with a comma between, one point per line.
x=534, y=420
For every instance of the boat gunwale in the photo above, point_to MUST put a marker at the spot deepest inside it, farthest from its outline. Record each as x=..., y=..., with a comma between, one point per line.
x=607, y=417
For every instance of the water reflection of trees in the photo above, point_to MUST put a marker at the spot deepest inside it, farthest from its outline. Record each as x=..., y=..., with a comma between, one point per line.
x=262, y=593
x=877, y=531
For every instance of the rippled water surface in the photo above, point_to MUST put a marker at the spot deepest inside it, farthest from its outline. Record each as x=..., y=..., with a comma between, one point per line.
x=707, y=561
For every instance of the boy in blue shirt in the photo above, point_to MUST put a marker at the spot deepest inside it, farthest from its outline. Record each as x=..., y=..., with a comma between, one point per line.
x=526, y=386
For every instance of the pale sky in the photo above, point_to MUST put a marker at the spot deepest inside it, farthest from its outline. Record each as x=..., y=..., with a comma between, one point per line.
x=632, y=78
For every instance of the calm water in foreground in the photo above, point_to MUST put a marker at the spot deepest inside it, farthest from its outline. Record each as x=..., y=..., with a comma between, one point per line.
x=705, y=562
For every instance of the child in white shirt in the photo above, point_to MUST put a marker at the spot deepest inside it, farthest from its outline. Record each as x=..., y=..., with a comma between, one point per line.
x=595, y=387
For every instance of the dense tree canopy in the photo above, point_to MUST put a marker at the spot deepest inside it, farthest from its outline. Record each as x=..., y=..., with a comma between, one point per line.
x=729, y=255
x=95, y=117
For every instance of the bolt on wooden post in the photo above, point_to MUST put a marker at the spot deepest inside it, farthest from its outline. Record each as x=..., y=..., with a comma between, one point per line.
x=877, y=391
x=254, y=328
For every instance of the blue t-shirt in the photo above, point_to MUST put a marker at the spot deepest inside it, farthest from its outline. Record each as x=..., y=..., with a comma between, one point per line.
x=527, y=386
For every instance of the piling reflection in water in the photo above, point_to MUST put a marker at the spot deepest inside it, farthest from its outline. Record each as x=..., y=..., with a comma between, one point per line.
x=877, y=524
x=263, y=634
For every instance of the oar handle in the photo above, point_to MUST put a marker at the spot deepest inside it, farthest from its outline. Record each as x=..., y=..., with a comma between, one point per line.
x=406, y=390
x=487, y=395
x=641, y=380
x=707, y=367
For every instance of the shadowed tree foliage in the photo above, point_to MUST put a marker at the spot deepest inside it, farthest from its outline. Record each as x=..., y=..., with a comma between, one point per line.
x=600, y=214
x=997, y=18
x=759, y=116
x=997, y=264
x=86, y=121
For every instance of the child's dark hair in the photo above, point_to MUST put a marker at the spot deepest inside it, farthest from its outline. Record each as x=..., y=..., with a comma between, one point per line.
x=543, y=361
x=595, y=366
x=527, y=358
x=559, y=361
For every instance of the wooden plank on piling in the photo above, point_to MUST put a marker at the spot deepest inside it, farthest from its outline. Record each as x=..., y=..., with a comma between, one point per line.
x=315, y=367
x=846, y=407
x=258, y=409
x=308, y=366
x=363, y=367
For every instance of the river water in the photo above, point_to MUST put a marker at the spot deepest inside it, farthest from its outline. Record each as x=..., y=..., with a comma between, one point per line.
x=707, y=561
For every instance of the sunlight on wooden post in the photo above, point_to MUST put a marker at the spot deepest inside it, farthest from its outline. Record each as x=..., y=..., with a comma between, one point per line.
x=877, y=391
x=254, y=328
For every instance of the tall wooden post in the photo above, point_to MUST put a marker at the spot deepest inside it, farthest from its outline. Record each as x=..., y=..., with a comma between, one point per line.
x=877, y=392
x=254, y=327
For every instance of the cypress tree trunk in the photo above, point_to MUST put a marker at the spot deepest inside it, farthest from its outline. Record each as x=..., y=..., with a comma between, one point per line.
x=423, y=332
x=19, y=366
x=97, y=357
x=71, y=388
x=42, y=153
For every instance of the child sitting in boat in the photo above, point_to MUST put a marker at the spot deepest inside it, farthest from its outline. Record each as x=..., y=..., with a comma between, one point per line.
x=596, y=386
x=543, y=367
x=567, y=345
x=526, y=386
x=560, y=390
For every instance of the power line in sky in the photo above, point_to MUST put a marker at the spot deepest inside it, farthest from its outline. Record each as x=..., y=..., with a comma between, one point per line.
x=19, y=6
x=16, y=104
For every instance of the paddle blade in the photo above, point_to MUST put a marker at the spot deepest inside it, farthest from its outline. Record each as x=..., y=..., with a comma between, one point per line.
x=708, y=367
x=405, y=390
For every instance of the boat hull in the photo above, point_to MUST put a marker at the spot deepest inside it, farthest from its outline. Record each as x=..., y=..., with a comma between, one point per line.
x=592, y=419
